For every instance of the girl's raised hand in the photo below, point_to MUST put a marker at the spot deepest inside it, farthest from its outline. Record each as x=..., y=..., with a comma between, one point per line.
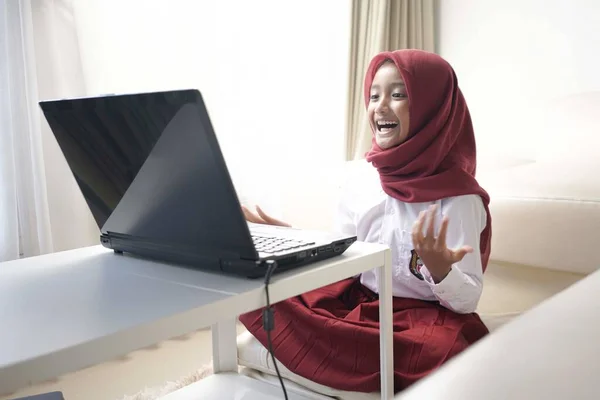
x=432, y=249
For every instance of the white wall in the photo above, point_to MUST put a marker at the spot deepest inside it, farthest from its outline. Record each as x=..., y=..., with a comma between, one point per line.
x=273, y=74
x=529, y=71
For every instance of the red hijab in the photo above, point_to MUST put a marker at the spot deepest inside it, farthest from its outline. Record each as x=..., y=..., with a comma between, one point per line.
x=438, y=159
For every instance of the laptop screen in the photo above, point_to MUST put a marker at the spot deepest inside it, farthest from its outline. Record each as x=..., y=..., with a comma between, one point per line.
x=150, y=168
x=106, y=140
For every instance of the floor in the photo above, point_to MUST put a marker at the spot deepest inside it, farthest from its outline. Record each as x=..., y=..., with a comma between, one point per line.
x=508, y=289
x=149, y=367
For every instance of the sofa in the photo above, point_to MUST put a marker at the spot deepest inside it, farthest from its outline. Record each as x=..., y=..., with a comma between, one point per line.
x=544, y=211
x=550, y=352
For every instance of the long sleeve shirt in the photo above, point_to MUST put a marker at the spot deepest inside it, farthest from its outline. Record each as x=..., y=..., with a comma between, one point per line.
x=366, y=211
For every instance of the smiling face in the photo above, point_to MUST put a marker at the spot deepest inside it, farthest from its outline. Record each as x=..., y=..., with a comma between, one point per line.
x=388, y=107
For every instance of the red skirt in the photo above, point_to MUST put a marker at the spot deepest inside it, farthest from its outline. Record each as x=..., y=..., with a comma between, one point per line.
x=331, y=336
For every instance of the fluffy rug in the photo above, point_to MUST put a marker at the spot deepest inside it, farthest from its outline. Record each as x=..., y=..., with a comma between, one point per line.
x=171, y=386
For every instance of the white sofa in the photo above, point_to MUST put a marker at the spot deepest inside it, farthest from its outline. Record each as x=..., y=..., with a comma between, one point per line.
x=549, y=353
x=544, y=218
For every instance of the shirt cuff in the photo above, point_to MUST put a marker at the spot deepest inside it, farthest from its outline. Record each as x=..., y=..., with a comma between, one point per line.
x=450, y=284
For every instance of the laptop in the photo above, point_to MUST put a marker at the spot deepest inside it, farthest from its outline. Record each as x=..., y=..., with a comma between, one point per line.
x=153, y=175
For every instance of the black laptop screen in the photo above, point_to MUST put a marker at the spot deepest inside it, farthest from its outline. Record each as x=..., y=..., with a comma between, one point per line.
x=106, y=140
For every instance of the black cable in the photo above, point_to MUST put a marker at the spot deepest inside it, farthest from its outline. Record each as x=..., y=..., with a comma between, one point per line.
x=269, y=322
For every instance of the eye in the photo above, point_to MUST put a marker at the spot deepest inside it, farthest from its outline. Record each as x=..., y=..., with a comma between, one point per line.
x=399, y=95
x=374, y=97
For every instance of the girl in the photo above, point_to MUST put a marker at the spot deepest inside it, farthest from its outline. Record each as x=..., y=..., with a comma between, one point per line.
x=418, y=195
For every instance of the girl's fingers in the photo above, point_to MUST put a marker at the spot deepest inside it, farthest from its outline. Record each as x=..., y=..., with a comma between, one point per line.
x=431, y=224
x=251, y=217
x=270, y=220
x=417, y=231
x=441, y=239
x=458, y=255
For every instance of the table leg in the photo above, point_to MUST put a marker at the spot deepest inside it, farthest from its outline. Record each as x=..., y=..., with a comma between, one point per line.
x=224, y=346
x=386, y=341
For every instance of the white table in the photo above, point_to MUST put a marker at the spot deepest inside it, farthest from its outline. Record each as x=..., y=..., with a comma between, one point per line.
x=66, y=311
x=549, y=353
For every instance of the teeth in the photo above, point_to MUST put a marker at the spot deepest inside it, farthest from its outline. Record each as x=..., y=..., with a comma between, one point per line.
x=386, y=123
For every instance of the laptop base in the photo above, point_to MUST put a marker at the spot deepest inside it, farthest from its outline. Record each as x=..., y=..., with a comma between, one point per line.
x=202, y=260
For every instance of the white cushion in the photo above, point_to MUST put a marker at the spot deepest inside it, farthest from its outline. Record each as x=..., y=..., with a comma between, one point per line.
x=314, y=394
x=255, y=357
x=549, y=233
x=545, y=214
x=258, y=364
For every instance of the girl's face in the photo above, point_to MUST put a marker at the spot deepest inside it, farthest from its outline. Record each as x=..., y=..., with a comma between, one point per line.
x=388, y=107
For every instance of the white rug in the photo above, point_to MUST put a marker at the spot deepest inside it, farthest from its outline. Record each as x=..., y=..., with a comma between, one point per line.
x=171, y=386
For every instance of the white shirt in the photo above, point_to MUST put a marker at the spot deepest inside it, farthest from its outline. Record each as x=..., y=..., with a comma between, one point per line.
x=366, y=211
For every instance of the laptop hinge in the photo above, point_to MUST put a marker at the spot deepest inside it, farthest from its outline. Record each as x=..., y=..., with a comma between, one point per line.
x=116, y=240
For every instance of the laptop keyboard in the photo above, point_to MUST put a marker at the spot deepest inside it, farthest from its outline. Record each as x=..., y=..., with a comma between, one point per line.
x=277, y=245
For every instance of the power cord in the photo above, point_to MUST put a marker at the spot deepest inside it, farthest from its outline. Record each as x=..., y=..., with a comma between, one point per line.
x=269, y=322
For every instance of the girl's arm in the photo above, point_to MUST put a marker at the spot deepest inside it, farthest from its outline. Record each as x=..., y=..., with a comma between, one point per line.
x=344, y=221
x=344, y=218
x=461, y=289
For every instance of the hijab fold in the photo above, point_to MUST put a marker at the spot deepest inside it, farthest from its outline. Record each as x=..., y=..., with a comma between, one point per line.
x=438, y=159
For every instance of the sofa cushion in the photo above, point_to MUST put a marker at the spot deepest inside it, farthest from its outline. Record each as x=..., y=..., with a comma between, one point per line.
x=558, y=234
x=258, y=364
x=311, y=391
x=545, y=214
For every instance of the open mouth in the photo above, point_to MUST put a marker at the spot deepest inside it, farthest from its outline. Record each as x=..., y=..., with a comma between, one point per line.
x=386, y=126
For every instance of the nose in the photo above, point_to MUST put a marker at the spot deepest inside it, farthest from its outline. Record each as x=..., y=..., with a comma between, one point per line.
x=382, y=106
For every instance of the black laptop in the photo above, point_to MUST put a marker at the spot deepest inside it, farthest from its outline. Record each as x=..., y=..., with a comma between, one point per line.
x=151, y=170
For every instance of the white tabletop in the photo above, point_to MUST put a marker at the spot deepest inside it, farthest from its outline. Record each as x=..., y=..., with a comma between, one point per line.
x=551, y=352
x=65, y=311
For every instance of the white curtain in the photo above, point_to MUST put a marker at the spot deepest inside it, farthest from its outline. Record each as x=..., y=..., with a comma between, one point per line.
x=24, y=214
x=380, y=25
x=60, y=74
